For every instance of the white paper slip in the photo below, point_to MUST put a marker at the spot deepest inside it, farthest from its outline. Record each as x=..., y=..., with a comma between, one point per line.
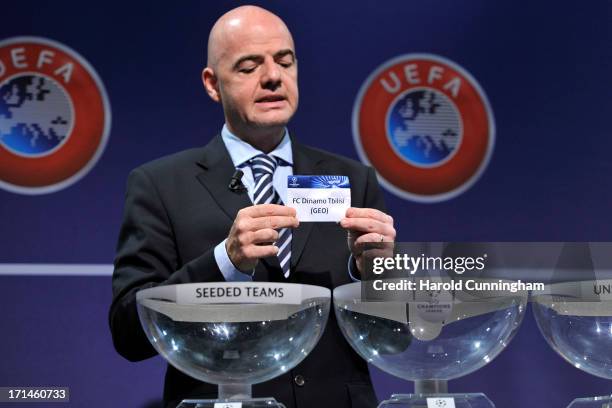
x=440, y=403
x=319, y=198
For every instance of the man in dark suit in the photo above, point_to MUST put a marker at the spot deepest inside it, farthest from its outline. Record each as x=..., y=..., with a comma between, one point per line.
x=182, y=222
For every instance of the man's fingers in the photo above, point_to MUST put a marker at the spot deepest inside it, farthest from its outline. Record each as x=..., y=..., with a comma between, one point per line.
x=368, y=213
x=370, y=246
x=260, y=251
x=368, y=225
x=253, y=233
x=264, y=216
x=273, y=222
x=266, y=210
x=371, y=237
x=264, y=235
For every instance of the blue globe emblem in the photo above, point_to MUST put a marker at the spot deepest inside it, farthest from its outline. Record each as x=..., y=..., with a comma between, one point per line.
x=424, y=127
x=36, y=115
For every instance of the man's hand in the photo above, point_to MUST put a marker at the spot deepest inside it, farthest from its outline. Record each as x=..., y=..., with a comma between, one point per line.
x=253, y=233
x=366, y=225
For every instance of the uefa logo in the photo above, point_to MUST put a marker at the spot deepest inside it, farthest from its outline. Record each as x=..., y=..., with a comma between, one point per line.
x=54, y=116
x=425, y=125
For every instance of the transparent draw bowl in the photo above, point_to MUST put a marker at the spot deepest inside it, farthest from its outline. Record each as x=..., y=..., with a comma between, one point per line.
x=433, y=336
x=575, y=318
x=234, y=333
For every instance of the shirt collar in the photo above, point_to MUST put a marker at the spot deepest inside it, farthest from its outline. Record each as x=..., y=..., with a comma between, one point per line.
x=241, y=152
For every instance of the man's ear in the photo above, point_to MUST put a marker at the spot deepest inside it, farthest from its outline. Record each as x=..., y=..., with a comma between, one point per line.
x=209, y=79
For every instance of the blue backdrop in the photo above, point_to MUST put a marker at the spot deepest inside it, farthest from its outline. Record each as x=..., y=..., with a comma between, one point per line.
x=545, y=67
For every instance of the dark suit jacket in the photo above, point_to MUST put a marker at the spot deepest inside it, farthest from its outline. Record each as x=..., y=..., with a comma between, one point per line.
x=178, y=208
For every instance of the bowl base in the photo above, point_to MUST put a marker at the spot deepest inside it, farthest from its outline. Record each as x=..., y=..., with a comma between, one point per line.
x=437, y=401
x=593, y=402
x=232, y=403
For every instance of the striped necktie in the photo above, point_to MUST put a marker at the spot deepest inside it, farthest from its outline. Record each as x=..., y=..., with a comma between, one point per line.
x=263, y=167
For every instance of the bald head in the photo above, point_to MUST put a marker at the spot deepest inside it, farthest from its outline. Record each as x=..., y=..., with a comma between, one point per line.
x=252, y=71
x=238, y=24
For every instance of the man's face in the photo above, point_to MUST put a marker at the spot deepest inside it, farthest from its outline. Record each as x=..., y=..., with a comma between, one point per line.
x=257, y=76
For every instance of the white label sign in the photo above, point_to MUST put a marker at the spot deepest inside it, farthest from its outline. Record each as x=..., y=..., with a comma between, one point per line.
x=440, y=403
x=319, y=198
x=228, y=292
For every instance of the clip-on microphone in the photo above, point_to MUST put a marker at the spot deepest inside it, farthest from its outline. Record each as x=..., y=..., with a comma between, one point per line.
x=235, y=184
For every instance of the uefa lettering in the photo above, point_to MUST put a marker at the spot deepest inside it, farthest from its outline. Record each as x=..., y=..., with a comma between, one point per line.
x=425, y=125
x=54, y=116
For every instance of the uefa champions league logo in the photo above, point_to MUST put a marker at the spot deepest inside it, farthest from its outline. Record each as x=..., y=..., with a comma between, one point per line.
x=330, y=182
x=434, y=296
x=319, y=182
x=440, y=403
x=228, y=405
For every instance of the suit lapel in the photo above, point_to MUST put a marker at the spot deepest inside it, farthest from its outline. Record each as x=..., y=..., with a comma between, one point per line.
x=218, y=170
